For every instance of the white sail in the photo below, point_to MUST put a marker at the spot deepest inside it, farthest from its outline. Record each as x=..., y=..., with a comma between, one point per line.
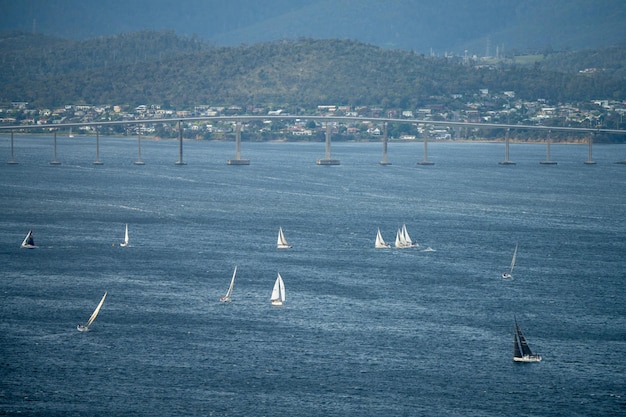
x=380, y=242
x=403, y=240
x=407, y=238
x=278, y=292
x=85, y=327
x=125, y=242
x=399, y=240
x=513, y=260
x=281, y=243
x=28, y=242
x=510, y=273
x=226, y=298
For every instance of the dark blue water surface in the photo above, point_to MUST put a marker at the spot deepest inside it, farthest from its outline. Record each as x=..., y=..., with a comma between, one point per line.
x=363, y=332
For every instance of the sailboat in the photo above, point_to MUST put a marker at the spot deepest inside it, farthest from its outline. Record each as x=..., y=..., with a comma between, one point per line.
x=407, y=238
x=380, y=242
x=125, y=242
x=282, y=242
x=71, y=135
x=226, y=297
x=509, y=275
x=28, y=242
x=403, y=240
x=278, y=293
x=85, y=327
x=521, y=351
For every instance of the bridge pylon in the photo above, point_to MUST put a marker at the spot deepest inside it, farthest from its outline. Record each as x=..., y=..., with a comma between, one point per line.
x=238, y=160
x=139, y=161
x=12, y=161
x=384, y=161
x=97, y=161
x=327, y=159
x=180, y=144
x=590, y=160
x=506, y=161
x=425, y=161
x=548, y=161
x=54, y=158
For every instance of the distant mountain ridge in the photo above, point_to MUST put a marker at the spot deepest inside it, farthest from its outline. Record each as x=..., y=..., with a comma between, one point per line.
x=481, y=27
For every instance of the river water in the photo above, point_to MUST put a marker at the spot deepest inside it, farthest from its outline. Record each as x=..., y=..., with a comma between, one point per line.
x=418, y=331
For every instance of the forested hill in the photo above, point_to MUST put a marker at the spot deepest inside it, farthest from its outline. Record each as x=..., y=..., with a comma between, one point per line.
x=162, y=68
x=483, y=27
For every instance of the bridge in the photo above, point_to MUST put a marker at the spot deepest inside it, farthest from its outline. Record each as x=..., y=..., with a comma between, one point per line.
x=327, y=160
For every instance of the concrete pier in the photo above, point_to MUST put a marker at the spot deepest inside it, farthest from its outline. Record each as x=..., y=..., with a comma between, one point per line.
x=180, y=144
x=12, y=160
x=425, y=161
x=384, y=160
x=548, y=161
x=139, y=161
x=97, y=161
x=238, y=160
x=54, y=158
x=590, y=160
x=327, y=159
x=506, y=161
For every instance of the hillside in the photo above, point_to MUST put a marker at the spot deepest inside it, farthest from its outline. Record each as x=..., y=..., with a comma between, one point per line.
x=158, y=67
x=482, y=27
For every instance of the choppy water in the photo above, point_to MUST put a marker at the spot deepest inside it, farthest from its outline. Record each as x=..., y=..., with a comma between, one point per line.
x=363, y=331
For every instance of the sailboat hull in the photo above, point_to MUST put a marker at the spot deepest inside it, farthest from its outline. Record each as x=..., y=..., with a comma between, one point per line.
x=277, y=303
x=82, y=328
x=527, y=358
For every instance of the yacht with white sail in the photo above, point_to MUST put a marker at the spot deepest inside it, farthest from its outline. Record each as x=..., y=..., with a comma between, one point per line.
x=85, y=327
x=28, y=242
x=226, y=298
x=509, y=274
x=125, y=242
x=403, y=240
x=278, y=292
x=380, y=242
x=282, y=242
x=521, y=350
